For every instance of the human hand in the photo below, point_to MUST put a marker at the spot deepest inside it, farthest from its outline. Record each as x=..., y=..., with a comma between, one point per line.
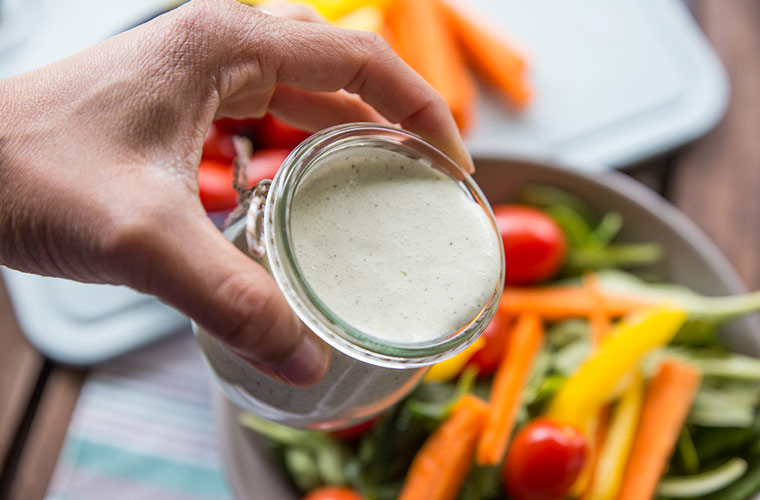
x=99, y=155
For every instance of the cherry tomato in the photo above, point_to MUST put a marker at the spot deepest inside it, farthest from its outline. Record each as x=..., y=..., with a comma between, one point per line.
x=215, y=178
x=544, y=461
x=274, y=133
x=218, y=145
x=355, y=431
x=488, y=357
x=333, y=493
x=247, y=127
x=264, y=164
x=215, y=186
x=534, y=246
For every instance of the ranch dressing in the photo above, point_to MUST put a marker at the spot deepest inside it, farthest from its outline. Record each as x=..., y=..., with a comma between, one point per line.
x=393, y=247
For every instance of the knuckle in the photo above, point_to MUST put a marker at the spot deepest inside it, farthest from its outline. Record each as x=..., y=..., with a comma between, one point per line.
x=195, y=16
x=373, y=44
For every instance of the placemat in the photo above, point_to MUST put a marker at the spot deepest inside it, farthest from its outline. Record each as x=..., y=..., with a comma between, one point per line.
x=143, y=429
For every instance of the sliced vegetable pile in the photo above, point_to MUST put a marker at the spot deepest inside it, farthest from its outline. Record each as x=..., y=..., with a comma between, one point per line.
x=596, y=385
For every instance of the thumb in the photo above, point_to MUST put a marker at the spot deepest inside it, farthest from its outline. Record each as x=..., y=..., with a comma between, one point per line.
x=203, y=275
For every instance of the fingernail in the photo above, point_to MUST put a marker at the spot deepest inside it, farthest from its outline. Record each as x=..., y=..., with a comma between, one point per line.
x=467, y=162
x=307, y=365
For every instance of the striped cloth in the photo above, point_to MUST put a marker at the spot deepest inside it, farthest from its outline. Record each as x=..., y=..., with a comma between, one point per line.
x=142, y=429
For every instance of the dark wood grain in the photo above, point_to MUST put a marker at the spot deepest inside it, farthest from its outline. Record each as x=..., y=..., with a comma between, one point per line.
x=652, y=174
x=20, y=367
x=46, y=435
x=716, y=181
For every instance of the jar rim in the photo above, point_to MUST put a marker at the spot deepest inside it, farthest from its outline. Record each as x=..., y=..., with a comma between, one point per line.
x=306, y=304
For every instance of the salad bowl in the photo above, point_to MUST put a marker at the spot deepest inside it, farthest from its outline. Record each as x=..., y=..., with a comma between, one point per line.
x=690, y=259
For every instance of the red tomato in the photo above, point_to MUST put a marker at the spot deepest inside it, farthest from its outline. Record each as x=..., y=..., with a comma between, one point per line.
x=247, y=127
x=274, y=133
x=218, y=145
x=544, y=461
x=488, y=357
x=264, y=164
x=534, y=246
x=333, y=493
x=215, y=178
x=215, y=186
x=355, y=431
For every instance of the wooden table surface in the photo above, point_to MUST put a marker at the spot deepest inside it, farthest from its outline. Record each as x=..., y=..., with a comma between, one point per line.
x=715, y=181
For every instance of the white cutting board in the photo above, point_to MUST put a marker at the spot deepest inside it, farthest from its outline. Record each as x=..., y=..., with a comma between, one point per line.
x=616, y=81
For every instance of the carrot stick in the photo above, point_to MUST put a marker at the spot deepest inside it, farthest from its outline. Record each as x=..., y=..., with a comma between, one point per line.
x=422, y=39
x=506, y=390
x=594, y=439
x=561, y=302
x=441, y=465
x=666, y=405
x=489, y=54
x=599, y=318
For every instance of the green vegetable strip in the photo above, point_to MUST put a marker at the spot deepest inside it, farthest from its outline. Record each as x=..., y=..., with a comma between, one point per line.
x=688, y=452
x=704, y=483
x=615, y=255
x=608, y=228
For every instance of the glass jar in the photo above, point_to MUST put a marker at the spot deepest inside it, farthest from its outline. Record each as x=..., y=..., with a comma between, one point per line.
x=367, y=375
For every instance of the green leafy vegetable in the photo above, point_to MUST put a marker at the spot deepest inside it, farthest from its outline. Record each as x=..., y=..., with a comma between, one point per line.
x=706, y=314
x=688, y=452
x=590, y=238
x=730, y=404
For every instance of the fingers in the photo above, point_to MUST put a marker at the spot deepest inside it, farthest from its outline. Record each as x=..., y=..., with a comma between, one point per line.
x=325, y=58
x=196, y=270
x=321, y=58
x=317, y=110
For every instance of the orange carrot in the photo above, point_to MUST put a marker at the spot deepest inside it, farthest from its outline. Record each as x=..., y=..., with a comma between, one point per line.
x=594, y=442
x=441, y=465
x=561, y=302
x=599, y=318
x=489, y=54
x=422, y=39
x=666, y=405
x=506, y=390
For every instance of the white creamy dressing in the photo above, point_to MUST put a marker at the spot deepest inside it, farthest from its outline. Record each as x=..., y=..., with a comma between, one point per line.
x=393, y=247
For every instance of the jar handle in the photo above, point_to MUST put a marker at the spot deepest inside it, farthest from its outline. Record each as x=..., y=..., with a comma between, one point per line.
x=254, y=220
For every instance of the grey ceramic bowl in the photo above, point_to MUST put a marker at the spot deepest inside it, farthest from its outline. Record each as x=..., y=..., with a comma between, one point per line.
x=691, y=259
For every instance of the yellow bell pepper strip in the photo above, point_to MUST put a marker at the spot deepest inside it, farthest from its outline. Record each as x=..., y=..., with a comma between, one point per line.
x=331, y=9
x=614, y=453
x=601, y=324
x=450, y=368
x=334, y=9
x=582, y=395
